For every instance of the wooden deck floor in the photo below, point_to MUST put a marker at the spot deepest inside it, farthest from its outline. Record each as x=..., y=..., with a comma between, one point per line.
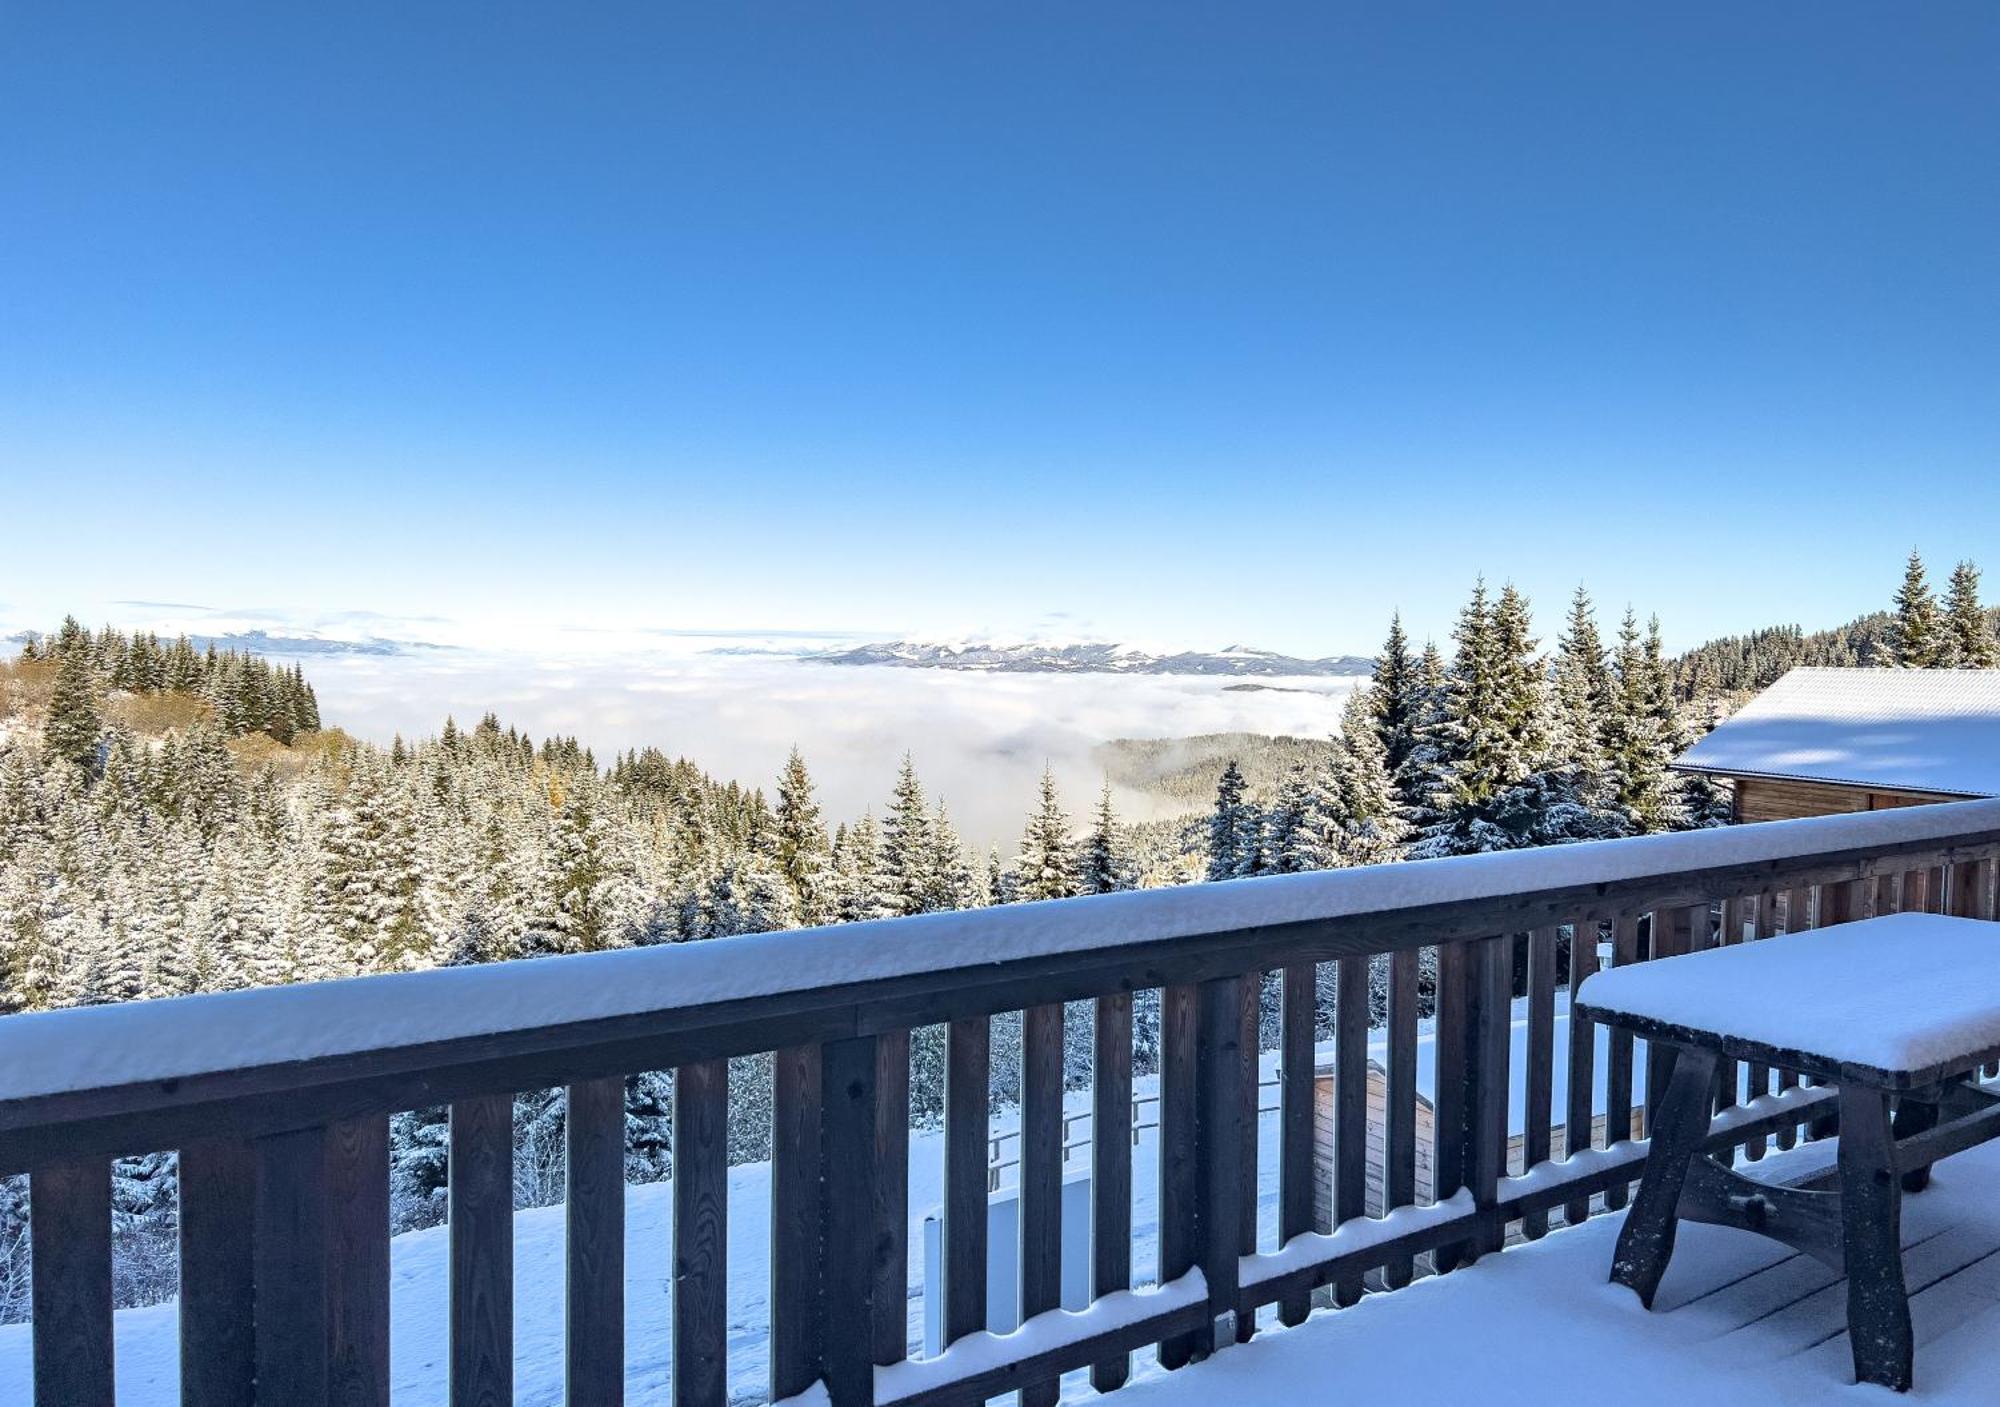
x=1738, y=1320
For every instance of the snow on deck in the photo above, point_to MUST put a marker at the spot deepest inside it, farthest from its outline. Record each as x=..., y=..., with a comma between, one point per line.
x=1739, y=1320
x=1903, y=992
x=1934, y=730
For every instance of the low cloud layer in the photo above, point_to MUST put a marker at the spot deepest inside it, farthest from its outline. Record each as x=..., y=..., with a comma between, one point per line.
x=979, y=740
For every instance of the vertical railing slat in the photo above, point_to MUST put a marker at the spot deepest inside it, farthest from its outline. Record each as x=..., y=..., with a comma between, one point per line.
x=1250, y=1024
x=482, y=1251
x=1296, y=1163
x=1040, y=1250
x=1179, y=1195
x=594, y=1248
x=1581, y=1115
x=1451, y=1105
x=1672, y=935
x=1757, y=1078
x=892, y=1196
x=1111, y=1168
x=1798, y=919
x=854, y=1249
x=1618, y=1059
x=357, y=1152
x=1219, y=1141
x=1541, y=1071
x=69, y=1229
x=1399, y=1134
x=795, y=1220
x=1350, y=1104
x=967, y=1055
x=218, y=1303
x=1486, y=1154
x=291, y=1267
x=701, y=1234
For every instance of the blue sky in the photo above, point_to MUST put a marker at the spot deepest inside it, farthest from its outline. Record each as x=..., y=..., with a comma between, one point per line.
x=1190, y=323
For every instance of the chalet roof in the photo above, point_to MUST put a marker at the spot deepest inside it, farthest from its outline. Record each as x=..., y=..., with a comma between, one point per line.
x=1921, y=730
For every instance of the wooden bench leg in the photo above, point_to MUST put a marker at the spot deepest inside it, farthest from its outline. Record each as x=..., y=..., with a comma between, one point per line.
x=1646, y=1241
x=1914, y=1117
x=1871, y=1196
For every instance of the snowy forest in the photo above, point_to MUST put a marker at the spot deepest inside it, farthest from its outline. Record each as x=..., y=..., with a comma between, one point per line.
x=177, y=820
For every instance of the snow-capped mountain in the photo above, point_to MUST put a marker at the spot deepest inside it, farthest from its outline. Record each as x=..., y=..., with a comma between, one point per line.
x=1099, y=657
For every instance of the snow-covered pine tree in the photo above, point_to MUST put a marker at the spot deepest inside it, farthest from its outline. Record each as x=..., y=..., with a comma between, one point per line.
x=1635, y=755
x=800, y=844
x=1916, y=635
x=1396, y=697
x=1298, y=827
x=1105, y=866
x=909, y=853
x=1968, y=634
x=1046, y=868
x=1235, y=829
x=1582, y=701
x=74, y=726
x=1366, y=808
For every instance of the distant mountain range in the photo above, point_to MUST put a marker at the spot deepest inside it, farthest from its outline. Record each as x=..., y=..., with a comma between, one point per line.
x=1092, y=658
x=261, y=642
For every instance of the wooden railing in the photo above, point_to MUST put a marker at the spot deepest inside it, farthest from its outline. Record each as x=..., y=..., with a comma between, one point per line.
x=277, y=1102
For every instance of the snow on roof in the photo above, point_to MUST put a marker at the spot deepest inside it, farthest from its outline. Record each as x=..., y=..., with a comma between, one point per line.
x=1933, y=730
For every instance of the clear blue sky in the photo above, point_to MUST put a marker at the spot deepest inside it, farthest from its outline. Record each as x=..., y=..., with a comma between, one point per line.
x=1199, y=323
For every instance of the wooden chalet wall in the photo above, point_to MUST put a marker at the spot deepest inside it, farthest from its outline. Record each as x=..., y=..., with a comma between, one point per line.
x=1765, y=799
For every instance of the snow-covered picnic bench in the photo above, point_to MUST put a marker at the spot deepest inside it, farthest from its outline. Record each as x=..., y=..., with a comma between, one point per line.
x=1899, y=1012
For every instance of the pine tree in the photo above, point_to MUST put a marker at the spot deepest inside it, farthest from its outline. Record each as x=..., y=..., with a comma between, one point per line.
x=1370, y=828
x=1396, y=697
x=74, y=727
x=1635, y=754
x=800, y=844
x=1968, y=635
x=1916, y=636
x=1298, y=829
x=1046, y=869
x=908, y=850
x=1582, y=700
x=1105, y=867
x=1235, y=840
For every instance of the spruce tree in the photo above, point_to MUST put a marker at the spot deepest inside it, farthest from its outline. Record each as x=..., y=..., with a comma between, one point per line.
x=1104, y=867
x=1582, y=700
x=1968, y=635
x=1395, y=697
x=1916, y=635
x=1235, y=830
x=799, y=844
x=908, y=852
x=74, y=725
x=1047, y=869
x=1364, y=803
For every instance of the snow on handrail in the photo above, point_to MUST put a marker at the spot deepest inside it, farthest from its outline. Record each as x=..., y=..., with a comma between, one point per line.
x=89, y=1048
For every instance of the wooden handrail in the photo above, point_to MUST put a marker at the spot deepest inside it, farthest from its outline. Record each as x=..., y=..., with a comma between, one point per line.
x=289, y=1140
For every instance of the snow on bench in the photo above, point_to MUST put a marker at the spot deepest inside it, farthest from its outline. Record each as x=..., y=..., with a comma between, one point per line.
x=1903, y=994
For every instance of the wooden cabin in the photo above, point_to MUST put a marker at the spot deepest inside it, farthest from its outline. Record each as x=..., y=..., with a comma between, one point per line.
x=1426, y=1124
x=1378, y=1125
x=1825, y=741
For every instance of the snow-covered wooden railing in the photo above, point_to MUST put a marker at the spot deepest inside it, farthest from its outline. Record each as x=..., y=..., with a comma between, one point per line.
x=277, y=1101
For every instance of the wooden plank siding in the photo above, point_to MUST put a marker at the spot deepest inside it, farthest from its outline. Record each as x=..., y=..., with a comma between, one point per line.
x=1768, y=799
